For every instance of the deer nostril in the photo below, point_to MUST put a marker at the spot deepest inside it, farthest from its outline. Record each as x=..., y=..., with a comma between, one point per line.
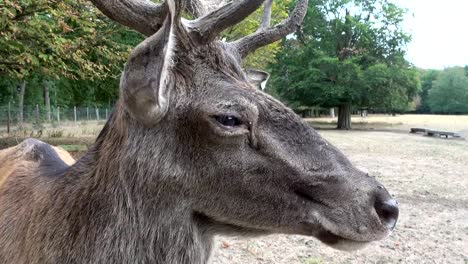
x=387, y=212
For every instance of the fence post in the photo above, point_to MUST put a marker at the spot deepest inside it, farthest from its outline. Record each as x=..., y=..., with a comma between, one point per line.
x=74, y=113
x=9, y=118
x=47, y=102
x=22, y=89
x=97, y=114
x=37, y=114
x=87, y=113
x=107, y=114
x=58, y=115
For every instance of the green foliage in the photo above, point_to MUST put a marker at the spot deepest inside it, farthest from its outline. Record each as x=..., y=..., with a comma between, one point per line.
x=389, y=87
x=350, y=51
x=449, y=93
x=67, y=45
x=312, y=260
x=302, y=74
x=427, y=79
x=58, y=39
x=74, y=148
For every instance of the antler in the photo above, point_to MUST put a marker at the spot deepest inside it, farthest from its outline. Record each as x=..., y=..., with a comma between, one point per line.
x=266, y=20
x=147, y=18
x=144, y=16
x=266, y=34
x=209, y=26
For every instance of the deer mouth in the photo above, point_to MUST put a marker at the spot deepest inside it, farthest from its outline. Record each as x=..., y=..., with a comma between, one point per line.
x=328, y=233
x=339, y=242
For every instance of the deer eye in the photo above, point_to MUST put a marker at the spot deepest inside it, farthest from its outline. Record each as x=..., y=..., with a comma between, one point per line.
x=228, y=120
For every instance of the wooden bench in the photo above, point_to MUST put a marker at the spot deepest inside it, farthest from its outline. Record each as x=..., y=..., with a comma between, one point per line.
x=435, y=133
x=418, y=130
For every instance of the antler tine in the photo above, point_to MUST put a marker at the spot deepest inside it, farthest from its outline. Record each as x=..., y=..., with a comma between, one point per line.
x=206, y=28
x=197, y=8
x=268, y=35
x=143, y=16
x=266, y=20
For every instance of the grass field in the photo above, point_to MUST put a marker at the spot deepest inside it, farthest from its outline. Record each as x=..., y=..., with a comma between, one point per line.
x=84, y=133
x=69, y=135
x=429, y=177
x=455, y=123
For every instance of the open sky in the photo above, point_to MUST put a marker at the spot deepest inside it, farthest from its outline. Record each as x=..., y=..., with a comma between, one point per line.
x=439, y=30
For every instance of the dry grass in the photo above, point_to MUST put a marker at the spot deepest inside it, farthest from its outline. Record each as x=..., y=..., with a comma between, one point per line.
x=63, y=130
x=67, y=133
x=452, y=123
x=84, y=129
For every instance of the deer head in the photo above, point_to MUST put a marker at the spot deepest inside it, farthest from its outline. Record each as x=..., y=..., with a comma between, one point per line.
x=233, y=157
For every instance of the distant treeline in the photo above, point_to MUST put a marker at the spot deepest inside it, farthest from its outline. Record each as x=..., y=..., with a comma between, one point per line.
x=443, y=91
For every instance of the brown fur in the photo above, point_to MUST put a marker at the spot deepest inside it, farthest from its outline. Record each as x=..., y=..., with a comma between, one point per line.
x=13, y=158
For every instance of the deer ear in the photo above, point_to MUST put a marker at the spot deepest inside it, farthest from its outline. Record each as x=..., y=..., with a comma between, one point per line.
x=147, y=80
x=258, y=78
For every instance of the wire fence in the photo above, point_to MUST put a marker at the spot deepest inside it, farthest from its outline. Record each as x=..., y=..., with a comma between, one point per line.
x=12, y=117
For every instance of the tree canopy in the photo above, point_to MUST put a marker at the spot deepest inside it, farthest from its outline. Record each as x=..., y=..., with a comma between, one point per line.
x=449, y=93
x=65, y=45
x=350, y=53
x=59, y=39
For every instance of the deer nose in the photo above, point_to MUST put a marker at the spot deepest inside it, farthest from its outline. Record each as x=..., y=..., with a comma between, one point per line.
x=386, y=208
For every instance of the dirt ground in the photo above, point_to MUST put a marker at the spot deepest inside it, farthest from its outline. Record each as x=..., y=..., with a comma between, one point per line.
x=452, y=123
x=429, y=177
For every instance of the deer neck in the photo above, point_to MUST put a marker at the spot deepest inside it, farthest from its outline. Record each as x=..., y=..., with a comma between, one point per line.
x=156, y=225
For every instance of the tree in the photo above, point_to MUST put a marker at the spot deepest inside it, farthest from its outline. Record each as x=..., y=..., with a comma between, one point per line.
x=450, y=92
x=329, y=64
x=66, y=44
x=389, y=87
x=58, y=39
x=427, y=80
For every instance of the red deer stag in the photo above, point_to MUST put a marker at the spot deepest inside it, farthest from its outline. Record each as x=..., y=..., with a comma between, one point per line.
x=191, y=150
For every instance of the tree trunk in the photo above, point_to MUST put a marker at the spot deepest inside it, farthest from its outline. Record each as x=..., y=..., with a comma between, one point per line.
x=58, y=115
x=22, y=89
x=74, y=114
x=37, y=115
x=344, y=116
x=47, y=101
x=9, y=118
x=363, y=113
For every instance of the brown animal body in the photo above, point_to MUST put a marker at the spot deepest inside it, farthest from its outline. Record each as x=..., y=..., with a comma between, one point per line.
x=28, y=156
x=192, y=150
